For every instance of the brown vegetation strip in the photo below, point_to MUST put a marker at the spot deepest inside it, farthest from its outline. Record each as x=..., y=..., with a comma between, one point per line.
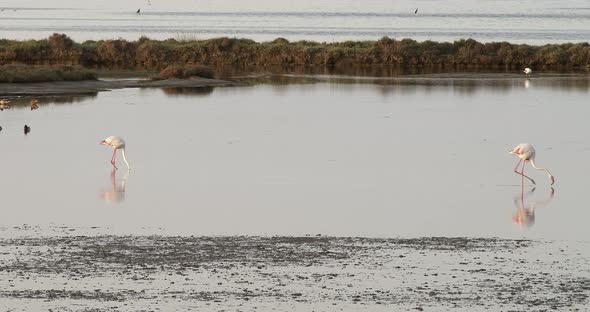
x=153, y=54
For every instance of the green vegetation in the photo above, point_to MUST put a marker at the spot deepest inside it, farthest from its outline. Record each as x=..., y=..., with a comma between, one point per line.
x=157, y=55
x=27, y=73
x=177, y=71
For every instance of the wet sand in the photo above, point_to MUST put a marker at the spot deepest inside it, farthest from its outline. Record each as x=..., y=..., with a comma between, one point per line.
x=93, y=86
x=73, y=270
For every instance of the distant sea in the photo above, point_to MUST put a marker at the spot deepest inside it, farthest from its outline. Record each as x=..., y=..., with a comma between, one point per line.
x=533, y=22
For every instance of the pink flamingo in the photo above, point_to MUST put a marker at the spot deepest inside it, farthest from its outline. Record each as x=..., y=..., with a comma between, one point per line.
x=116, y=143
x=526, y=152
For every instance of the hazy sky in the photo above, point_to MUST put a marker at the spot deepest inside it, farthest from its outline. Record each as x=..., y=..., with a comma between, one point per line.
x=523, y=7
x=530, y=21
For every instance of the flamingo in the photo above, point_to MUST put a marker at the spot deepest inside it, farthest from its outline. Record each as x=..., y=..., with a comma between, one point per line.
x=527, y=72
x=116, y=143
x=526, y=152
x=34, y=104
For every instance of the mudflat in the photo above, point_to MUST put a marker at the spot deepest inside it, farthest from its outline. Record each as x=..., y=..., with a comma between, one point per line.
x=94, y=86
x=75, y=271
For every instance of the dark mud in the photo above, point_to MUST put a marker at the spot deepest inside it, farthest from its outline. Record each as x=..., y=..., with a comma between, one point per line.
x=149, y=273
x=93, y=86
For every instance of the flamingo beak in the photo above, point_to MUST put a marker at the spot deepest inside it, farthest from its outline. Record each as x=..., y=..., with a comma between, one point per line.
x=552, y=179
x=103, y=142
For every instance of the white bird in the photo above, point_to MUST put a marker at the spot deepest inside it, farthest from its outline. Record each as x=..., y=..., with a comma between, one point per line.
x=116, y=143
x=527, y=72
x=526, y=152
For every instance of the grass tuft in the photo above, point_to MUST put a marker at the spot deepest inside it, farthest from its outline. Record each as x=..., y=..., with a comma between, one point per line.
x=26, y=73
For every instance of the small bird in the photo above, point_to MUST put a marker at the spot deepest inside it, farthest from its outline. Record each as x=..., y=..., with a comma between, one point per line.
x=27, y=129
x=138, y=11
x=116, y=143
x=34, y=104
x=527, y=72
x=416, y=12
x=4, y=104
x=526, y=152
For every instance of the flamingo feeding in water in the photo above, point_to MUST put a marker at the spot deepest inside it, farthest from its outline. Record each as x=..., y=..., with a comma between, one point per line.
x=526, y=152
x=116, y=143
x=527, y=72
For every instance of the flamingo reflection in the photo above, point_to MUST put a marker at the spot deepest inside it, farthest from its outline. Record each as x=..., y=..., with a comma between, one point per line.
x=115, y=194
x=525, y=212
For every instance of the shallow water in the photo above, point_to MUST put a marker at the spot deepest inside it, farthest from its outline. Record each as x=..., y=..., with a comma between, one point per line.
x=532, y=21
x=421, y=158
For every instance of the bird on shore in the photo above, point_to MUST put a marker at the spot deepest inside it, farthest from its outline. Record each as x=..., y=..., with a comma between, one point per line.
x=416, y=12
x=27, y=129
x=4, y=104
x=526, y=152
x=138, y=11
x=116, y=143
x=527, y=72
x=34, y=104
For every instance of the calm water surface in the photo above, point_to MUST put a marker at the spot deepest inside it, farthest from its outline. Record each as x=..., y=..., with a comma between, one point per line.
x=531, y=21
x=420, y=158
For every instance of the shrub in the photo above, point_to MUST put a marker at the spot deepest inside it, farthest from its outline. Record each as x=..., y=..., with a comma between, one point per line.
x=27, y=73
x=177, y=71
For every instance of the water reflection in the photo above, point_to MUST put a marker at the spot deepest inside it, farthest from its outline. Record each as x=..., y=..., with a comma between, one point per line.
x=357, y=70
x=115, y=194
x=525, y=211
x=460, y=83
x=188, y=91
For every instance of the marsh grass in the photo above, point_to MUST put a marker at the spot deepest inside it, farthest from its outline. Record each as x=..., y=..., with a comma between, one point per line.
x=151, y=54
x=183, y=72
x=28, y=73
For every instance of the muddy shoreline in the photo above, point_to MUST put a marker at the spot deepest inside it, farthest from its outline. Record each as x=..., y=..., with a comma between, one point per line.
x=58, y=88
x=73, y=272
x=499, y=80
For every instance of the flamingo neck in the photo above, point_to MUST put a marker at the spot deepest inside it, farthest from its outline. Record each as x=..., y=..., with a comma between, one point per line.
x=540, y=168
x=125, y=159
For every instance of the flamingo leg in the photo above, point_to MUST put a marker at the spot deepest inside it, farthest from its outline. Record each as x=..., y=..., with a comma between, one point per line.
x=113, y=177
x=522, y=171
x=522, y=181
x=113, y=158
